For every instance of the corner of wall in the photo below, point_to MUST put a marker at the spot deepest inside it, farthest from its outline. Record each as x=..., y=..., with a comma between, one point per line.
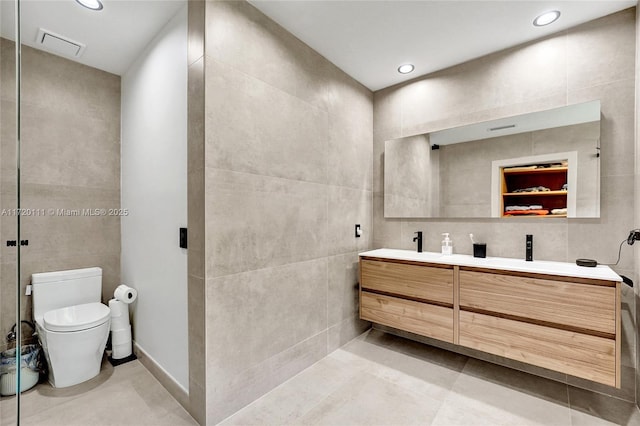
x=637, y=199
x=195, y=203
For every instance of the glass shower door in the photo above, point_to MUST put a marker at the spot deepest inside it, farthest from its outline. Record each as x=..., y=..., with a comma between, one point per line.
x=11, y=373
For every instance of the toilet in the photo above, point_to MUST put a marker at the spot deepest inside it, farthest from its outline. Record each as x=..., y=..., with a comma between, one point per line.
x=72, y=324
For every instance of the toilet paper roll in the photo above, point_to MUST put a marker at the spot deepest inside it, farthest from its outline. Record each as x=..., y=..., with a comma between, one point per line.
x=118, y=337
x=119, y=314
x=118, y=309
x=119, y=323
x=125, y=293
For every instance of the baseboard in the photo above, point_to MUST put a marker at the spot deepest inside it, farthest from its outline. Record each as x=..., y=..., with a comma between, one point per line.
x=170, y=384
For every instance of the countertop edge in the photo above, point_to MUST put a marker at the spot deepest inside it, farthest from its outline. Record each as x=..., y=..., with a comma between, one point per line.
x=544, y=267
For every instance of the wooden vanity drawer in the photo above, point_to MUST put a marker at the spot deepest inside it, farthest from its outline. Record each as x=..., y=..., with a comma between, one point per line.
x=419, y=282
x=577, y=354
x=576, y=306
x=416, y=317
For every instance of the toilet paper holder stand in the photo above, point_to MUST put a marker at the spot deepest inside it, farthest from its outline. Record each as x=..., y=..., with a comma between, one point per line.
x=120, y=334
x=120, y=361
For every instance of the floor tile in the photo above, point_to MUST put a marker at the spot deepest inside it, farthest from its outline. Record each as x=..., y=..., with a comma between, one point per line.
x=590, y=408
x=381, y=379
x=416, y=367
x=488, y=394
x=291, y=400
x=368, y=400
x=124, y=395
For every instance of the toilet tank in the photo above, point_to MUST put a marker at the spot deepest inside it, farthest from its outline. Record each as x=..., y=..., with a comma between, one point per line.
x=54, y=290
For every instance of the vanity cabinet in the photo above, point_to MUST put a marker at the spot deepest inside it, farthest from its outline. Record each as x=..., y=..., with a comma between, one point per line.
x=564, y=323
x=413, y=297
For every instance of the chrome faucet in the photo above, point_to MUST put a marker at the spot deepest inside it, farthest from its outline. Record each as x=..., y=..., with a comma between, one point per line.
x=418, y=238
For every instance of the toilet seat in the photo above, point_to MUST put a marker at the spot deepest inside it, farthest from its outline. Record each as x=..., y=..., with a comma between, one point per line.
x=76, y=318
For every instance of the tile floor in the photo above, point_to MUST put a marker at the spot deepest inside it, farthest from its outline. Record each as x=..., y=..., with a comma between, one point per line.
x=376, y=379
x=124, y=395
x=380, y=379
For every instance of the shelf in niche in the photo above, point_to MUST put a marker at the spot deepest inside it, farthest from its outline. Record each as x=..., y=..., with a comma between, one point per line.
x=534, y=194
x=527, y=170
x=535, y=215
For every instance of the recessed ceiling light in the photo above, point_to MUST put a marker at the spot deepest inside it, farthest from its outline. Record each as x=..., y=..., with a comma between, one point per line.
x=91, y=4
x=546, y=18
x=406, y=68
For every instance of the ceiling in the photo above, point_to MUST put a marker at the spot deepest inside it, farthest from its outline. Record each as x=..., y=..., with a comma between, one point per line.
x=370, y=39
x=366, y=39
x=114, y=37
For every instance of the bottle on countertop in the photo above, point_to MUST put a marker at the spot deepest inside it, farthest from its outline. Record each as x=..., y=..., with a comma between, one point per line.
x=447, y=245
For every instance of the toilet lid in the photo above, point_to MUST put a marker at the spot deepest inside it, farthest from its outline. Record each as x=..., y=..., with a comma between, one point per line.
x=76, y=318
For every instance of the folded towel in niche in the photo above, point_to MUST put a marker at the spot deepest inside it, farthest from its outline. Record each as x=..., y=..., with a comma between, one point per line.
x=559, y=211
x=540, y=212
x=533, y=189
x=515, y=208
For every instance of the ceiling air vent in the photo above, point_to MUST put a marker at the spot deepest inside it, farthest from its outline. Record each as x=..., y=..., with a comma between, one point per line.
x=61, y=45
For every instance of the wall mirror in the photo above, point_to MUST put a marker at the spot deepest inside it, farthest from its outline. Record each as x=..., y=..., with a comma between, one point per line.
x=544, y=164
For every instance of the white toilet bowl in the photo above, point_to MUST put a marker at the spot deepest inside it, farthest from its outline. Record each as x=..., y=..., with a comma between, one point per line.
x=72, y=324
x=73, y=339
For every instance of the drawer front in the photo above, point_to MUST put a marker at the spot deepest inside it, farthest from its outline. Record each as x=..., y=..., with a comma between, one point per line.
x=580, y=355
x=582, y=306
x=415, y=317
x=422, y=282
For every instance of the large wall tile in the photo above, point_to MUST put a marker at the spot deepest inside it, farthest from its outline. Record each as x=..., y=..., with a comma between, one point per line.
x=226, y=396
x=379, y=139
x=616, y=124
x=64, y=228
x=346, y=208
x=255, y=128
x=387, y=109
x=256, y=222
x=600, y=238
x=349, y=99
x=67, y=148
x=8, y=140
x=197, y=348
x=196, y=115
x=386, y=232
x=259, y=306
x=350, y=159
x=64, y=85
x=196, y=199
x=342, y=298
x=242, y=37
x=534, y=70
x=345, y=331
x=602, y=51
x=7, y=70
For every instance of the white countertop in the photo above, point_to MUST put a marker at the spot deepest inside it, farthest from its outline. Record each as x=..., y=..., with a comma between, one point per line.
x=563, y=269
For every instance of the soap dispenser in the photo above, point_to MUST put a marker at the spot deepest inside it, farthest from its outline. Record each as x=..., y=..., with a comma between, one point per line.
x=447, y=245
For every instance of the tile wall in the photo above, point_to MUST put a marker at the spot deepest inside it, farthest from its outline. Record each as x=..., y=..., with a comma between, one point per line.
x=70, y=160
x=283, y=156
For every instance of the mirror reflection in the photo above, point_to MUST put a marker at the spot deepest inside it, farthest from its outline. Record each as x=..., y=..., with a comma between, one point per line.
x=544, y=164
